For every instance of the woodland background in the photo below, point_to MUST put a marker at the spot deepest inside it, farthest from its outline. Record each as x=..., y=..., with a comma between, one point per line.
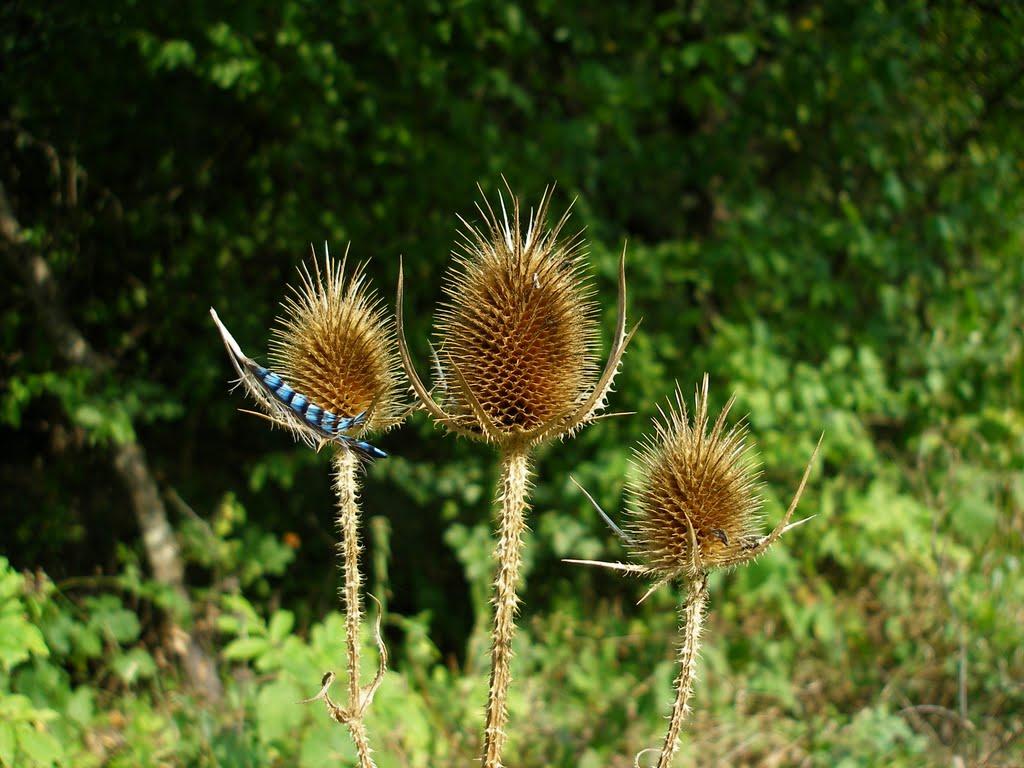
x=824, y=204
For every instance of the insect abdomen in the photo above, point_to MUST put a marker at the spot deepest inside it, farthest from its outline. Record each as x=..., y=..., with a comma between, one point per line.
x=320, y=419
x=370, y=451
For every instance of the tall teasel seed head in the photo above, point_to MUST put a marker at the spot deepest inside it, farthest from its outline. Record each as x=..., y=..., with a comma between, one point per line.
x=518, y=323
x=335, y=343
x=696, y=502
x=516, y=338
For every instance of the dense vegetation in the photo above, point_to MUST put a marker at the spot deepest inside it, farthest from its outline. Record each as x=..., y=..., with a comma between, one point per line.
x=824, y=204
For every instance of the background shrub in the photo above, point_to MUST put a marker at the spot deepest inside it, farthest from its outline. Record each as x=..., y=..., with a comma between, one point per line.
x=823, y=203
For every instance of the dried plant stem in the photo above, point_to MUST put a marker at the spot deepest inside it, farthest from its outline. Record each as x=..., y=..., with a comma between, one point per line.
x=693, y=617
x=346, y=485
x=512, y=496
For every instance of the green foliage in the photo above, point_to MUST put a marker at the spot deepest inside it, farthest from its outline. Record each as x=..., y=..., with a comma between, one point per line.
x=823, y=203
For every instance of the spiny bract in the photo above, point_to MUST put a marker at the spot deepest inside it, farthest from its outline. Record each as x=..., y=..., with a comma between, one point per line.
x=695, y=503
x=336, y=344
x=518, y=325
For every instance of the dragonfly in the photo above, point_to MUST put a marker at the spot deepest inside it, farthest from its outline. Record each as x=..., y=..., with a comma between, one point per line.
x=294, y=410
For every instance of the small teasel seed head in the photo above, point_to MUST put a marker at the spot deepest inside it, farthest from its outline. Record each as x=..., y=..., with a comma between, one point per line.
x=335, y=343
x=517, y=327
x=695, y=501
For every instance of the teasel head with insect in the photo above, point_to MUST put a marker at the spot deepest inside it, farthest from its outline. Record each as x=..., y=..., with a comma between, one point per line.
x=515, y=365
x=335, y=378
x=336, y=375
x=695, y=505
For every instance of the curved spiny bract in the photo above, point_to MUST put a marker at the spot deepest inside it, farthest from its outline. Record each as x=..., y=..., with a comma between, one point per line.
x=515, y=356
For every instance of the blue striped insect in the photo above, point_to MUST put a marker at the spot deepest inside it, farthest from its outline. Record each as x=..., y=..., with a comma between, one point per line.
x=327, y=423
x=293, y=409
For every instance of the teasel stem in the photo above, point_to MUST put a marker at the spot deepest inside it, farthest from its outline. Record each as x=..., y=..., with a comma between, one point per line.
x=692, y=619
x=346, y=485
x=515, y=481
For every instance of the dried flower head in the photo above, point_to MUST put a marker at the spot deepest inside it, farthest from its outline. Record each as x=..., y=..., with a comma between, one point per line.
x=695, y=503
x=696, y=498
x=517, y=334
x=336, y=372
x=518, y=323
x=335, y=343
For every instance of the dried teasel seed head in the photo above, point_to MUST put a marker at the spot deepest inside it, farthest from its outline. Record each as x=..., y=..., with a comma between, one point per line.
x=695, y=502
x=336, y=345
x=517, y=332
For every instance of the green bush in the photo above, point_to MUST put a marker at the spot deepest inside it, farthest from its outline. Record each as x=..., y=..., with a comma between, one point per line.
x=823, y=203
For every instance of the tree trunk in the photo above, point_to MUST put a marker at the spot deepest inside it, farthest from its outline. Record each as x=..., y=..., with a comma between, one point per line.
x=129, y=458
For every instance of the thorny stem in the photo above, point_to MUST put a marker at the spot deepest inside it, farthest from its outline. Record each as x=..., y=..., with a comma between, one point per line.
x=346, y=485
x=357, y=729
x=693, y=617
x=515, y=471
